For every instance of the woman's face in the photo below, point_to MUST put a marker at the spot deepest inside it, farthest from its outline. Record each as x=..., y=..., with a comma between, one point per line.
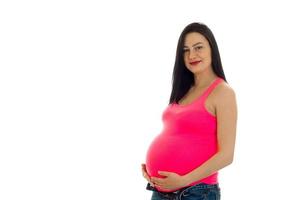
x=197, y=54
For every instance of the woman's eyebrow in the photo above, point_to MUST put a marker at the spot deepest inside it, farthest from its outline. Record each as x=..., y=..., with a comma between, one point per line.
x=195, y=44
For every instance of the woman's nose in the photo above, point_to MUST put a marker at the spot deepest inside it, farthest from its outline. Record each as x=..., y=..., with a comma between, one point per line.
x=192, y=55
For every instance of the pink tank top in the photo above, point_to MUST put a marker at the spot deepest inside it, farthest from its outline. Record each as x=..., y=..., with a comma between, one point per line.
x=188, y=139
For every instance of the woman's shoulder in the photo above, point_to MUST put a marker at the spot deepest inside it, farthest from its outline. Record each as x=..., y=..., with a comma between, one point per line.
x=223, y=86
x=224, y=92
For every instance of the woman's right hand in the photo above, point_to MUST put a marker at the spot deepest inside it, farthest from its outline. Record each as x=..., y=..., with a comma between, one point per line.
x=146, y=175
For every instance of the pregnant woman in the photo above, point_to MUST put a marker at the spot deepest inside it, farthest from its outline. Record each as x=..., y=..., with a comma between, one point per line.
x=198, y=136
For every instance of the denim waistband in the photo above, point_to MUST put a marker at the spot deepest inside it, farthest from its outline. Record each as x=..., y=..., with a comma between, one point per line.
x=193, y=187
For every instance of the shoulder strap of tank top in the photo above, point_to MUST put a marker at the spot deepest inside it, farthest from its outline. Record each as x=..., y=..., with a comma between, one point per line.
x=211, y=87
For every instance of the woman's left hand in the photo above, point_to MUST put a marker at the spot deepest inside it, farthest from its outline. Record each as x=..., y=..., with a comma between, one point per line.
x=170, y=182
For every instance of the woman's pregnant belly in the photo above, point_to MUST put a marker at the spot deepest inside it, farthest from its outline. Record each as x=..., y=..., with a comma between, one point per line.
x=179, y=153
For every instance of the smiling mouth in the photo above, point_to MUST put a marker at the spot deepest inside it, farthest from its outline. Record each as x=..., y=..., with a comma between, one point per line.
x=195, y=63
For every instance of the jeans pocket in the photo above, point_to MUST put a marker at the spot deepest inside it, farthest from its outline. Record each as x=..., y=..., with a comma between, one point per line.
x=202, y=194
x=195, y=194
x=156, y=195
x=212, y=194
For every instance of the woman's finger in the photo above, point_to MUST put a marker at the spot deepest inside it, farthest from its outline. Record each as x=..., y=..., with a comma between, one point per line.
x=145, y=174
x=148, y=179
x=144, y=169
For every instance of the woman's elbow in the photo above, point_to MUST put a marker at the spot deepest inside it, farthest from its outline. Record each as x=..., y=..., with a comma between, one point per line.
x=230, y=160
x=227, y=158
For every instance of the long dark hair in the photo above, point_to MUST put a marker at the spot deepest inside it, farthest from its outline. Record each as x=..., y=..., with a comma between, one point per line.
x=182, y=78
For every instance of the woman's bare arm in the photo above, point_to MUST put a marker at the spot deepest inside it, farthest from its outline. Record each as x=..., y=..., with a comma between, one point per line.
x=226, y=111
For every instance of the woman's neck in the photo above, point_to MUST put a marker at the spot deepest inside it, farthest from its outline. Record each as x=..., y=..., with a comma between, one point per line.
x=204, y=79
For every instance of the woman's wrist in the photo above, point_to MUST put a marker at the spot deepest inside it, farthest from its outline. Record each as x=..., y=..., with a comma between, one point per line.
x=187, y=180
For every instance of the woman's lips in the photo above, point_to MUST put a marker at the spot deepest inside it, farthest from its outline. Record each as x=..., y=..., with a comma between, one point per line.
x=195, y=63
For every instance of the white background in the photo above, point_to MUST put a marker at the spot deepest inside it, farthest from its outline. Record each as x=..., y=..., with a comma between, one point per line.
x=83, y=85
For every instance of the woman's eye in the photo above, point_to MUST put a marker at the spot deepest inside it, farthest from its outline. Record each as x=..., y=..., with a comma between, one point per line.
x=198, y=47
x=185, y=50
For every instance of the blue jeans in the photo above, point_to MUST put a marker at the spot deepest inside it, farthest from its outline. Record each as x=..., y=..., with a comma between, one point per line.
x=201, y=191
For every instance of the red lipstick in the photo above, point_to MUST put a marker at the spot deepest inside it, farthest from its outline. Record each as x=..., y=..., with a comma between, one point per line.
x=195, y=63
